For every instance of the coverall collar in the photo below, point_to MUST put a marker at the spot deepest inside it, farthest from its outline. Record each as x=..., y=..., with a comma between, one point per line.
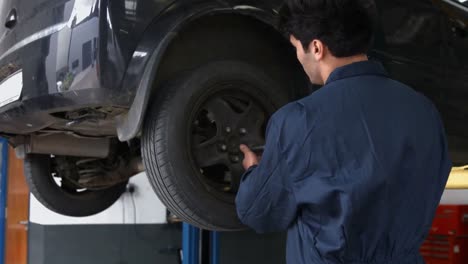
x=357, y=69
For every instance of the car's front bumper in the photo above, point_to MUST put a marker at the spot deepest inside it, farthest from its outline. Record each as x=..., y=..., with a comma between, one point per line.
x=37, y=113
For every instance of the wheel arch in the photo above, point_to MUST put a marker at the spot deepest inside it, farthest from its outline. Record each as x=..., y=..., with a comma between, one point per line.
x=205, y=34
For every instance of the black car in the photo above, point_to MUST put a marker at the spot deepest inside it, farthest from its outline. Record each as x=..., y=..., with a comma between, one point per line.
x=178, y=85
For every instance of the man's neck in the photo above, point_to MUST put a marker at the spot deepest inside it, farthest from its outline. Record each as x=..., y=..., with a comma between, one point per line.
x=335, y=63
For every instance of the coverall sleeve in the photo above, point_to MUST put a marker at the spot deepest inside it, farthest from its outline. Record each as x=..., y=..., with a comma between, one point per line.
x=265, y=200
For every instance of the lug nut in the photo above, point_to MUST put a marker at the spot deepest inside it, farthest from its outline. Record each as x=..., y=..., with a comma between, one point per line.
x=228, y=129
x=243, y=131
x=223, y=147
x=210, y=117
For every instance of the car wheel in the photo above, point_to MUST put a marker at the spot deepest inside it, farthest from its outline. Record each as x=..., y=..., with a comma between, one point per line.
x=191, y=137
x=62, y=184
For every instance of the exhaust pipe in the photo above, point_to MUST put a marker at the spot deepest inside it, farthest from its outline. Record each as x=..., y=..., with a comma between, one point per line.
x=64, y=145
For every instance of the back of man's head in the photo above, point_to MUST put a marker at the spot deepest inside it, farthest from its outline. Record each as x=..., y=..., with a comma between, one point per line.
x=344, y=26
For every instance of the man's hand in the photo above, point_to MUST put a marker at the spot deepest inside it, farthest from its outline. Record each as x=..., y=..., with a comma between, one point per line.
x=250, y=158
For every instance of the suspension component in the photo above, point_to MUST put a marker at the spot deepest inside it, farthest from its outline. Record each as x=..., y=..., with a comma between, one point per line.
x=99, y=173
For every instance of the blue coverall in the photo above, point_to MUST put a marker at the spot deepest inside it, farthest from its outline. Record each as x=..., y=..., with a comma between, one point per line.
x=353, y=171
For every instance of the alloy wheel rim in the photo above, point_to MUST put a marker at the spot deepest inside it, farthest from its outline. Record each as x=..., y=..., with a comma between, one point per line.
x=224, y=120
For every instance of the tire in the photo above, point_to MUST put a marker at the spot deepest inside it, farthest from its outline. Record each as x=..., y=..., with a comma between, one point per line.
x=38, y=173
x=166, y=147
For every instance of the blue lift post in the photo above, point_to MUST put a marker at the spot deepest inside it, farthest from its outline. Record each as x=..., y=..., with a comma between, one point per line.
x=190, y=244
x=193, y=241
x=214, y=246
x=3, y=195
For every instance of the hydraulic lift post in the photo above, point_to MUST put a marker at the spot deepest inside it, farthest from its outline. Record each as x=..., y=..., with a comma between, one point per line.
x=199, y=246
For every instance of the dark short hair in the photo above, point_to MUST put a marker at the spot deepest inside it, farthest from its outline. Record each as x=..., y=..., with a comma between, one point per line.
x=345, y=26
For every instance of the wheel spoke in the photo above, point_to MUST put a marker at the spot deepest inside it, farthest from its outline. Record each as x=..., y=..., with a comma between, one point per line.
x=253, y=116
x=208, y=153
x=222, y=112
x=252, y=120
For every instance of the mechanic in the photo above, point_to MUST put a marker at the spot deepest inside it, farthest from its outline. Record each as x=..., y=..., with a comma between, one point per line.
x=355, y=170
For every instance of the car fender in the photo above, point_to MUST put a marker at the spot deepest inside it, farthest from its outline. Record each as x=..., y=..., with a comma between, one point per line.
x=143, y=67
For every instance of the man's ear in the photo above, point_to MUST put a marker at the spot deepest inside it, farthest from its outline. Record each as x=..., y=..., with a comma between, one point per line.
x=317, y=48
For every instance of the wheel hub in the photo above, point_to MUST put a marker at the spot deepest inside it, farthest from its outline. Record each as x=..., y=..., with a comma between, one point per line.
x=233, y=142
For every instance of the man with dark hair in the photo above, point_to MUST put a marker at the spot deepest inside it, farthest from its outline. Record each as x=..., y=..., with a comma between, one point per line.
x=355, y=170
